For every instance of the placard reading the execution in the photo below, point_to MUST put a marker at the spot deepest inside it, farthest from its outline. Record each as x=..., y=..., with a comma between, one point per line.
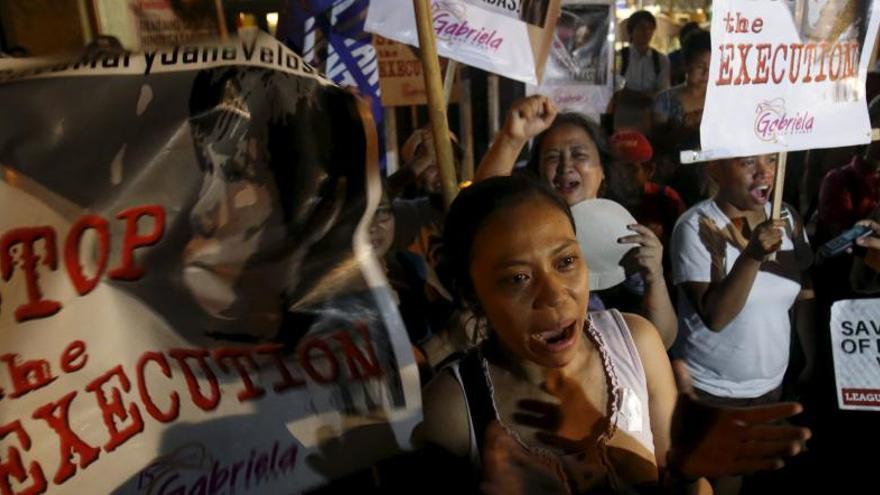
x=513, y=42
x=188, y=299
x=787, y=76
x=400, y=74
x=855, y=341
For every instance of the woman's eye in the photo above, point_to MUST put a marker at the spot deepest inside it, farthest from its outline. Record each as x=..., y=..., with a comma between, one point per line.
x=567, y=262
x=518, y=279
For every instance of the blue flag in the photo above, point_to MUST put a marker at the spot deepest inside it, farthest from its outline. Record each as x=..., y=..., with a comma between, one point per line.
x=330, y=35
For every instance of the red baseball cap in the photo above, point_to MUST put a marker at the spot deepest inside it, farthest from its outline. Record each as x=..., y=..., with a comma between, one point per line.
x=631, y=146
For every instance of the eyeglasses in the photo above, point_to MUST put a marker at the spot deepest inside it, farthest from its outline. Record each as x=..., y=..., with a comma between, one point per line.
x=384, y=214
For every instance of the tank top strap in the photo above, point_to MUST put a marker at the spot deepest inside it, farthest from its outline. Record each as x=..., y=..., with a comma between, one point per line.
x=630, y=384
x=469, y=373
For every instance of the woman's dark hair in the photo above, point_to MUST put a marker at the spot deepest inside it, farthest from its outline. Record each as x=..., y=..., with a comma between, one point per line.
x=638, y=17
x=695, y=45
x=469, y=212
x=688, y=29
x=573, y=118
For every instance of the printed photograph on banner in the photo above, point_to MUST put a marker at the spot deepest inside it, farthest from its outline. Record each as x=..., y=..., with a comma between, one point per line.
x=787, y=76
x=580, y=45
x=510, y=38
x=206, y=310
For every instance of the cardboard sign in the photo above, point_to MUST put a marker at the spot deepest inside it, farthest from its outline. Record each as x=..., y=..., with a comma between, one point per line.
x=579, y=72
x=400, y=74
x=855, y=342
x=188, y=299
x=143, y=24
x=510, y=38
x=788, y=76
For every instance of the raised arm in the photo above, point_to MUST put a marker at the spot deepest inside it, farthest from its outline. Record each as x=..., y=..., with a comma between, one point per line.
x=527, y=118
x=718, y=302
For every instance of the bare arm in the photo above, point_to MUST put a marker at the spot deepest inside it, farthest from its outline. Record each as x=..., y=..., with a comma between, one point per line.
x=656, y=304
x=662, y=395
x=718, y=303
x=446, y=418
x=526, y=119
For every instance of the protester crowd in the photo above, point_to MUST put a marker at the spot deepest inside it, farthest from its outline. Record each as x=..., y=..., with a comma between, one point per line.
x=539, y=384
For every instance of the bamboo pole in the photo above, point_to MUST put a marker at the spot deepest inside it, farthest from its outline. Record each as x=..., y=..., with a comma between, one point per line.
x=467, y=130
x=391, y=151
x=436, y=103
x=778, y=189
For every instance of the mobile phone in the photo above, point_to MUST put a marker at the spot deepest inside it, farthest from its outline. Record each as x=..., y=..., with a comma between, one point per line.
x=840, y=243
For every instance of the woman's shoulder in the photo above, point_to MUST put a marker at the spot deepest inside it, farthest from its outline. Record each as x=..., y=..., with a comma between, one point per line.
x=446, y=421
x=643, y=333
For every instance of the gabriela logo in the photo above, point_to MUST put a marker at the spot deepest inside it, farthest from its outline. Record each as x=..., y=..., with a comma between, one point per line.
x=772, y=121
x=450, y=24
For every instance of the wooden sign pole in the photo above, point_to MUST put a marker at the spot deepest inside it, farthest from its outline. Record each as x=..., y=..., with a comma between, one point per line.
x=778, y=186
x=436, y=100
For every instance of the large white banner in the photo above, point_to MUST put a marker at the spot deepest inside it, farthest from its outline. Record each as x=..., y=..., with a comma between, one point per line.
x=508, y=38
x=788, y=75
x=855, y=341
x=188, y=299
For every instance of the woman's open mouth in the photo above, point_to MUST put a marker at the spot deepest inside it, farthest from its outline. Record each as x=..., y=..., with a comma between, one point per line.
x=557, y=339
x=566, y=186
x=761, y=194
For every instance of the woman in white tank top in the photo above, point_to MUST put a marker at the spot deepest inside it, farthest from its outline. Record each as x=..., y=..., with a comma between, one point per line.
x=592, y=394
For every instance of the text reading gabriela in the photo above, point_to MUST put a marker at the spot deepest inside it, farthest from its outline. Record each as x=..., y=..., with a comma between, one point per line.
x=769, y=63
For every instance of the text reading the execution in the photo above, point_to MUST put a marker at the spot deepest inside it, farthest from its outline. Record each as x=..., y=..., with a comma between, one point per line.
x=151, y=388
x=768, y=63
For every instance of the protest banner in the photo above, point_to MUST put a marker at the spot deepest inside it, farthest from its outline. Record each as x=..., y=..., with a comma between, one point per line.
x=142, y=24
x=510, y=38
x=787, y=75
x=400, y=74
x=855, y=343
x=579, y=72
x=188, y=299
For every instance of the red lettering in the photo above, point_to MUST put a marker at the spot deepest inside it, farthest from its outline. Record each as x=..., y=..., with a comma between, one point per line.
x=12, y=467
x=725, y=72
x=287, y=379
x=36, y=307
x=851, y=60
x=148, y=402
x=82, y=284
x=69, y=442
x=72, y=353
x=192, y=383
x=305, y=359
x=114, y=408
x=762, y=73
x=743, y=77
x=237, y=357
x=27, y=376
x=794, y=64
x=757, y=25
x=132, y=240
x=354, y=356
x=778, y=76
x=809, y=51
x=836, y=54
x=822, y=57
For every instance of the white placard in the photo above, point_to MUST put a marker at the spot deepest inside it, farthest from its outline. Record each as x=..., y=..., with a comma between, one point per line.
x=788, y=76
x=470, y=32
x=855, y=341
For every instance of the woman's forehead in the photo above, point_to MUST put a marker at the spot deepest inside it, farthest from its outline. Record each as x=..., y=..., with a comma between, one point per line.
x=527, y=221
